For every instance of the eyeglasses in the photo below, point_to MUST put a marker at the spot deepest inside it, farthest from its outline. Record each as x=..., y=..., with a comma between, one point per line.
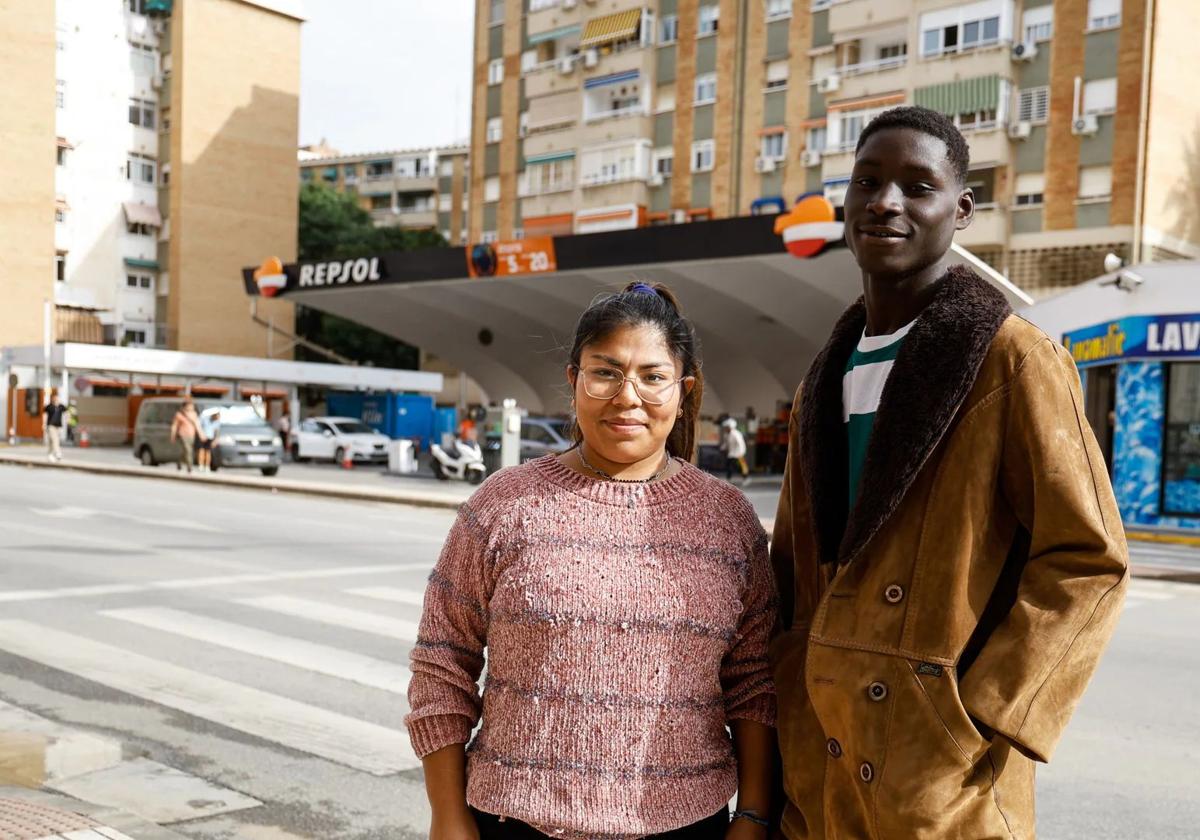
x=604, y=383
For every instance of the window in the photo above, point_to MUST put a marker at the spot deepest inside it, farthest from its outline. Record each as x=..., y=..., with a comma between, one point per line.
x=529, y=60
x=137, y=7
x=142, y=60
x=60, y=267
x=774, y=146
x=494, y=126
x=539, y=5
x=965, y=27
x=1030, y=189
x=306, y=175
x=446, y=168
x=893, y=51
x=496, y=12
x=1103, y=14
x=135, y=336
x=816, y=139
x=60, y=93
x=445, y=204
x=489, y=236
x=523, y=124
x=1100, y=96
x=668, y=29
x=1095, y=182
x=612, y=163
x=1181, y=446
x=141, y=112
x=664, y=163
x=375, y=169
x=141, y=168
x=139, y=281
x=60, y=156
x=549, y=177
x=779, y=9
x=706, y=89
x=708, y=19
x=777, y=75
x=138, y=229
x=166, y=174
x=329, y=174
x=666, y=99
x=381, y=202
x=164, y=120
x=491, y=189
x=702, y=155
x=1038, y=24
x=495, y=71
x=60, y=215
x=1033, y=105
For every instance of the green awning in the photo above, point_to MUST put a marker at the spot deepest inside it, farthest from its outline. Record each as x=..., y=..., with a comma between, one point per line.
x=965, y=96
x=552, y=34
x=132, y=262
x=159, y=7
x=548, y=157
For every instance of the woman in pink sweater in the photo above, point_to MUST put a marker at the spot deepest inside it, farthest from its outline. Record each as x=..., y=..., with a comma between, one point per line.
x=624, y=599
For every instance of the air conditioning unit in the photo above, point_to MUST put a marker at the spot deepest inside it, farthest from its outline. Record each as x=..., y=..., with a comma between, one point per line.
x=810, y=157
x=591, y=58
x=1024, y=51
x=764, y=164
x=830, y=83
x=655, y=180
x=678, y=217
x=1020, y=131
x=156, y=81
x=1087, y=124
x=566, y=65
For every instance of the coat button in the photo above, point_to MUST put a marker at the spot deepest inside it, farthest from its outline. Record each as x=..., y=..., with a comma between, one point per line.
x=894, y=594
x=835, y=749
x=877, y=691
x=866, y=772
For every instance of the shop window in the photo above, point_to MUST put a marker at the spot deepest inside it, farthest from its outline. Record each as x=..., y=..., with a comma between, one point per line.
x=1181, y=447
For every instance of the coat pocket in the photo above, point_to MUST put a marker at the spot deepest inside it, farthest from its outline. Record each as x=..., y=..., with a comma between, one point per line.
x=939, y=689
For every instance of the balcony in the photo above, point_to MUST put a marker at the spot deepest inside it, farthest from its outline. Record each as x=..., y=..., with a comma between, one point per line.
x=989, y=227
x=988, y=142
x=547, y=15
x=558, y=76
x=859, y=14
x=423, y=182
x=377, y=184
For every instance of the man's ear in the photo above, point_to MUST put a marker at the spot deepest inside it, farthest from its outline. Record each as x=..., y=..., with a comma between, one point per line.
x=965, y=212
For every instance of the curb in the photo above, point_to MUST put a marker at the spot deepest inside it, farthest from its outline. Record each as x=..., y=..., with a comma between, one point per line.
x=306, y=488
x=1169, y=538
x=134, y=828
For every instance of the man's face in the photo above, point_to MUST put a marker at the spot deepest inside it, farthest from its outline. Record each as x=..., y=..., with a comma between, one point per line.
x=904, y=203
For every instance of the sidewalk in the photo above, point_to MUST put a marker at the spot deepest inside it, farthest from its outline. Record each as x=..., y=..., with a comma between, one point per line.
x=27, y=814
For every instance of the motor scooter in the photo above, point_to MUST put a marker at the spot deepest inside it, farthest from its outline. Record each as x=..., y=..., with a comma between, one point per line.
x=462, y=460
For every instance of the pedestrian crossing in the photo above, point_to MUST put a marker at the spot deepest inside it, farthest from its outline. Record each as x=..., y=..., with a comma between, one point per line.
x=204, y=690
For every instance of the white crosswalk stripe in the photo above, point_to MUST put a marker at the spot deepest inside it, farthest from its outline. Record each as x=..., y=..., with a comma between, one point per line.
x=350, y=619
x=339, y=738
x=310, y=656
x=390, y=593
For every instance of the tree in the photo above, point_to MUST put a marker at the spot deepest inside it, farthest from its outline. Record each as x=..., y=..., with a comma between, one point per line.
x=334, y=226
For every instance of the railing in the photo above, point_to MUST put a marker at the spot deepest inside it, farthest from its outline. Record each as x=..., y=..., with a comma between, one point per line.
x=616, y=113
x=565, y=185
x=872, y=66
x=599, y=179
x=965, y=48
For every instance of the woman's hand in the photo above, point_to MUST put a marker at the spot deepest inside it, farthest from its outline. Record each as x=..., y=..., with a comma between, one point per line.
x=455, y=825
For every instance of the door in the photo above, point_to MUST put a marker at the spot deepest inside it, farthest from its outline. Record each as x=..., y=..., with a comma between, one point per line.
x=1100, y=401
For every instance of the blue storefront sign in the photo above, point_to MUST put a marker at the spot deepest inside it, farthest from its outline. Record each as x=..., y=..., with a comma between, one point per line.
x=1135, y=337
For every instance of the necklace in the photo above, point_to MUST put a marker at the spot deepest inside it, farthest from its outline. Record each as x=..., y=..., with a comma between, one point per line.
x=608, y=477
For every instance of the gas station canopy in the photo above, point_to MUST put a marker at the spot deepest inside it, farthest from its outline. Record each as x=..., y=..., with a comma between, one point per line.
x=505, y=313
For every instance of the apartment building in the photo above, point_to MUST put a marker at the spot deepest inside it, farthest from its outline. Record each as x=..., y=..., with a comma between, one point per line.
x=168, y=170
x=594, y=115
x=416, y=189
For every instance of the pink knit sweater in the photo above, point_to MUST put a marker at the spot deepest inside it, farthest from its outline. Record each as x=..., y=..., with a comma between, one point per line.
x=625, y=625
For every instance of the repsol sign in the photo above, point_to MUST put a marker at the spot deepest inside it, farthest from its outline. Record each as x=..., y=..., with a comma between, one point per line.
x=340, y=272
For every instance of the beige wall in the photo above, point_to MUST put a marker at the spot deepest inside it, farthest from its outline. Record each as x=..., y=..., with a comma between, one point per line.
x=1172, y=193
x=235, y=88
x=1062, y=146
x=26, y=168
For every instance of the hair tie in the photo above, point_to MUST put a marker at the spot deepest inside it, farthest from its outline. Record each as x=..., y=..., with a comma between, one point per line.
x=643, y=289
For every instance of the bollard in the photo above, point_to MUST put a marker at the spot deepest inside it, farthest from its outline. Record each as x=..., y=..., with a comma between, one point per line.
x=347, y=459
x=85, y=440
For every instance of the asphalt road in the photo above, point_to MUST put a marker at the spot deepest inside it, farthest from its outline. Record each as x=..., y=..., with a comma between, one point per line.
x=258, y=641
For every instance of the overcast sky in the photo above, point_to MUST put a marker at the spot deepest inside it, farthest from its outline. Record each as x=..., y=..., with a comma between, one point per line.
x=386, y=74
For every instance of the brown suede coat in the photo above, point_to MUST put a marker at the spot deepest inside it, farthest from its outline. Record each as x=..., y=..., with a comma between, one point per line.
x=972, y=587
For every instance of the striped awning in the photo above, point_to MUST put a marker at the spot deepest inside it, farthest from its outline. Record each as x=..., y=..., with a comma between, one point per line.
x=535, y=38
x=611, y=79
x=142, y=214
x=966, y=96
x=615, y=27
x=549, y=157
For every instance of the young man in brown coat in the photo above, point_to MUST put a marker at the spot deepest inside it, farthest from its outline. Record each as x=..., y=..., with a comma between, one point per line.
x=949, y=554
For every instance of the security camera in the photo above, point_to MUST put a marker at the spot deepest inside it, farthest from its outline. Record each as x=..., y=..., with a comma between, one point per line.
x=1112, y=263
x=1127, y=281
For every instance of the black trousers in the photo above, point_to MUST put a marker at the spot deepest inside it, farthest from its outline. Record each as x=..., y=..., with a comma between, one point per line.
x=492, y=828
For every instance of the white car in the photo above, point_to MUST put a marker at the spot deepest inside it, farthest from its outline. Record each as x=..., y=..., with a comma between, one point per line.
x=331, y=438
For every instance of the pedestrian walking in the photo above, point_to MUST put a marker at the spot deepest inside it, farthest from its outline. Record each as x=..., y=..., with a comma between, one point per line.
x=734, y=446
x=54, y=413
x=210, y=429
x=185, y=427
x=624, y=600
x=950, y=557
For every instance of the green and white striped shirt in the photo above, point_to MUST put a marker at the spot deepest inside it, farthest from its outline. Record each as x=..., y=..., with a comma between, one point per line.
x=867, y=372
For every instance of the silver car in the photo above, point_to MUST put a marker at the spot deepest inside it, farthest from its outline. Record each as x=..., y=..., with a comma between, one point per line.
x=243, y=438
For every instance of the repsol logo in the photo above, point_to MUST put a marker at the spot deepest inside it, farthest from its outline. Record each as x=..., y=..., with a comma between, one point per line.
x=340, y=272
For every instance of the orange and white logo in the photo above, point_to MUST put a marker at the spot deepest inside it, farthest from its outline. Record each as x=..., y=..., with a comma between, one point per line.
x=809, y=225
x=270, y=277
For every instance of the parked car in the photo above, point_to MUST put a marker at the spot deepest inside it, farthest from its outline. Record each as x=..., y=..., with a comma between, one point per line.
x=330, y=438
x=543, y=435
x=244, y=440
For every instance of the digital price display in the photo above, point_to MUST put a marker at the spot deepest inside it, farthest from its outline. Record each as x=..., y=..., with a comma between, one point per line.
x=505, y=259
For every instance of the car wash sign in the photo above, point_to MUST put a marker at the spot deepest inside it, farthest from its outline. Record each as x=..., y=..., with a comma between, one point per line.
x=1136, y=337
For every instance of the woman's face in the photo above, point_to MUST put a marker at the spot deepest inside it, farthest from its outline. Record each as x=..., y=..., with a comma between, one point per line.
x=626, y=429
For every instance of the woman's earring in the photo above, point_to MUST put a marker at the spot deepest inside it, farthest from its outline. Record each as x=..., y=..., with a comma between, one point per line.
x=680, y=414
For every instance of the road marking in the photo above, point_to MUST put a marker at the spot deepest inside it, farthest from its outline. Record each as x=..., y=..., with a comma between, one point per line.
x=364, y=622
x=200, y=583
x=72, y=512
x=354, y=743
x=321, y=659
x=390, y=593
